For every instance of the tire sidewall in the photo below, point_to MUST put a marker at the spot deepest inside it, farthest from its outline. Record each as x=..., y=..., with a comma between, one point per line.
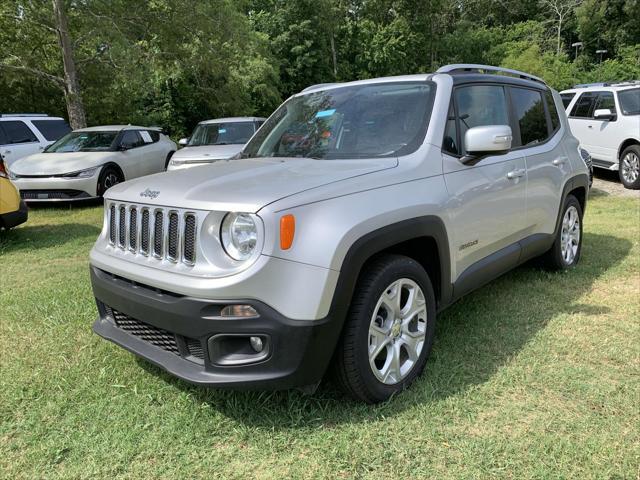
x=401, y=267
x=570, y=201
x=635, y=185
x=103, y=174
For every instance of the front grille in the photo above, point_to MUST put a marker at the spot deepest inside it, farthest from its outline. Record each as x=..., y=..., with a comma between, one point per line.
x=166, y=234
x=53, y=194
x=157, y=336
x=154, y=335
x=158, y=236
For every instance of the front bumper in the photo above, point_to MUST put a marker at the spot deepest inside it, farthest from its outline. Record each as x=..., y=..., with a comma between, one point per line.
x=12, y=219
x=177, y=333
x=48, y=189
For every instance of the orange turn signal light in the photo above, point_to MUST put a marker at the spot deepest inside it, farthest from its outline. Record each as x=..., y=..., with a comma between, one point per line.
x=287, y=231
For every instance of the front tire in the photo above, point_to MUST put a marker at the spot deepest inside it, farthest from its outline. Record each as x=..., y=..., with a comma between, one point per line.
x=566, y=249
x=109, y=176
x=388, y=332
x=629, y=170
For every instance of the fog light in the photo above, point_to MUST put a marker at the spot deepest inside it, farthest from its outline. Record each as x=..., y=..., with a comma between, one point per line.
x=241, y=311
x=256, y=344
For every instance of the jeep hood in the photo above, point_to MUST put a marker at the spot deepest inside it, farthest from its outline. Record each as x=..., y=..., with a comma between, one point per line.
x=244, y=185
x=206, y=152
x=58, y=163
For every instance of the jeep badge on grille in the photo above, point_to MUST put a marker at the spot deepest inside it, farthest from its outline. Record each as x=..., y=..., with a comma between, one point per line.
x=150, y=193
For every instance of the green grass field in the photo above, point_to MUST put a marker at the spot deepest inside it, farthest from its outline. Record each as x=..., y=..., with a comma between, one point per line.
x=534, y=376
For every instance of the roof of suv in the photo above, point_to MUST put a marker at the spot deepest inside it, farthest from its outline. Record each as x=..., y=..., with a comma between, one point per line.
x=461, y=73
x=27, y=116
x=616, y=87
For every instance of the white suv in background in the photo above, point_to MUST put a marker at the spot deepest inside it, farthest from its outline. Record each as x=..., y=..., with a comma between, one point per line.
x=606, y=120
x=23, y=134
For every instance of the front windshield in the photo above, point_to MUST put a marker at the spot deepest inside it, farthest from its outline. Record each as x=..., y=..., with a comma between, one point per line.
x=630, y=101
x=84, y=142
x=364, y=121
x=229, y=133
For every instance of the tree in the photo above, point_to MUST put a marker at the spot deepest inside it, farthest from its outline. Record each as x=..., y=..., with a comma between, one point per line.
x=561, y=9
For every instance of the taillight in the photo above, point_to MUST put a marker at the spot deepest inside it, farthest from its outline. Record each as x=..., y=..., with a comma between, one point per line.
x=3, y=170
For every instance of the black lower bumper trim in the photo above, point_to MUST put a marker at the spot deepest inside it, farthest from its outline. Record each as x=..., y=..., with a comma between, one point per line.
x=299, y=351
x=12, y=219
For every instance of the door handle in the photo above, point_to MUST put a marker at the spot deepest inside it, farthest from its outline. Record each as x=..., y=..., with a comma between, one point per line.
x=589, y=126
x=558, y=162
x=516, y=174
x=7, y=152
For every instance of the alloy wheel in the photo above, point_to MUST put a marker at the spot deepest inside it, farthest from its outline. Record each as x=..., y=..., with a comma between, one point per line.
x=570, y=235
x=630, y=167
x=397, y=331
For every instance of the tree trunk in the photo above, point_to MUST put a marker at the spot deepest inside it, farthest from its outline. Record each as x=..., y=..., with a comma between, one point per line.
x=333, y=56
x=72, y=95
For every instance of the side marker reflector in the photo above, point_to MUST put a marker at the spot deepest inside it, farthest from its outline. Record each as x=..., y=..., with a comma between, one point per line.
x=287, y=231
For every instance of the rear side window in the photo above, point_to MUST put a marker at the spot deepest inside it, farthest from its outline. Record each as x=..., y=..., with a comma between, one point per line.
x=18, y=132
x=131, y=139
x=553, y=111
x=52, y=130
x=584, y=106
x=480, y=105
x=566, y=98
x=3, y=137
x=605, y=100
x=630, y=101
x=528, y=107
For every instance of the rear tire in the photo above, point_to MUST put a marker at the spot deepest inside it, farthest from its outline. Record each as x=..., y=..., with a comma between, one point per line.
x=109, y=176
x=566, y=249
x=388, y=331
x=629, y=170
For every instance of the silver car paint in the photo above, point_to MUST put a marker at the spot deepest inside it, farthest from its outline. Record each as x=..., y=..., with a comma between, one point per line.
x=336, y=202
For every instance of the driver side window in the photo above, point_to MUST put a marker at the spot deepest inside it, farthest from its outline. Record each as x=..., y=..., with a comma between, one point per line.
x=480, y=105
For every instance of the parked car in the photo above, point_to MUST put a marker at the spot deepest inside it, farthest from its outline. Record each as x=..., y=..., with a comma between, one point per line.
x=23, y=134
x=390, y=199
x=85, y=163
x=606, y=120
x=13, y=210
x=214, y=140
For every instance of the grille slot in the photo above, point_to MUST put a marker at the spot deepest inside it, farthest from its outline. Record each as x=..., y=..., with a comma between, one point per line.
x=172, y=237
x=133, y=229
x=154, y=335
x=122, y=227
x=112, y=224
x=144, y=232
x=189, y=244
x=157, y=234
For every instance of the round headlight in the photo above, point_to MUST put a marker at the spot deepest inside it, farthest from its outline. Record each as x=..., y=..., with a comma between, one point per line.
x=239, y=235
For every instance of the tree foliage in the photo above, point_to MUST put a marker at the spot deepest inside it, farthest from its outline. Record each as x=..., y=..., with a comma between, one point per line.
x=172, y=63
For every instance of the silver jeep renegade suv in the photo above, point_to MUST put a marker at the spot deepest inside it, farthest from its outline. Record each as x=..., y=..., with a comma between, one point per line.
x=355, y=214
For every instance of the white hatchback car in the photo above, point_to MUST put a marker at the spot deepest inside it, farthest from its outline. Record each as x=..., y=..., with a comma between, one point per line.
x=85, y=163
x=214, y=140
x=605, y=118
x=23, y=134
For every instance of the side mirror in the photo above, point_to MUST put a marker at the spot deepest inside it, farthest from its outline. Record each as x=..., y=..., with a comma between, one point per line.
x=183, y=141
x=124, y=147
x=603, y=114
x=480, y=141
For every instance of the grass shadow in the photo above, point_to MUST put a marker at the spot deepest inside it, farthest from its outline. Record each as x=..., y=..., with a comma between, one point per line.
x=29, y=238
x=474, y=339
